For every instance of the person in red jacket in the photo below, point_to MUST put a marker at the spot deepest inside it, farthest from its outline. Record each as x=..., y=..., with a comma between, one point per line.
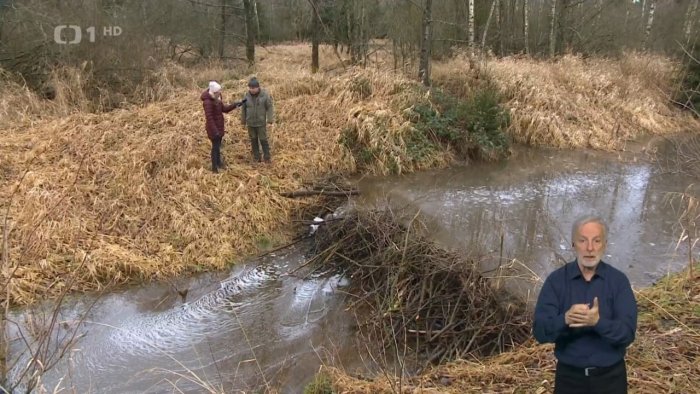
x=214, y=109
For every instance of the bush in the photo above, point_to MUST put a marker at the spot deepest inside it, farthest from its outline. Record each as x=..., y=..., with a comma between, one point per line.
x=473, y=127
x=487, y=124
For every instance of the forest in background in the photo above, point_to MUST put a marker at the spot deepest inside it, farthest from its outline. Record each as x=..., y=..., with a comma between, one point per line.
x=151, y=33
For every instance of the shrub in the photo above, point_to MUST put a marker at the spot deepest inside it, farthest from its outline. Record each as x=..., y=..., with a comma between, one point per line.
x=688, y=95
x=320, y=385
x=473, y=127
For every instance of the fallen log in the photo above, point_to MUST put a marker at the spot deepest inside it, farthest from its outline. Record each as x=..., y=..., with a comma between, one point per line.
x=307, y=193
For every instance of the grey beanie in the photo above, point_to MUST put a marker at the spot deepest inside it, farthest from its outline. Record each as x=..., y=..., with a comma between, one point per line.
x=253, y=83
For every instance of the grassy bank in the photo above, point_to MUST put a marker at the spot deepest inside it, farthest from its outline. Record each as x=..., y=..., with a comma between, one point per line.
x=576, y=102
x=663, y=358
x=126, y=195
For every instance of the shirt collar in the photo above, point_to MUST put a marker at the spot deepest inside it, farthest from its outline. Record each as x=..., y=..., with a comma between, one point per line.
x=574, y=271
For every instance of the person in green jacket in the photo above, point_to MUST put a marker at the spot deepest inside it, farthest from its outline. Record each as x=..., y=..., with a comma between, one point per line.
x=257, y=113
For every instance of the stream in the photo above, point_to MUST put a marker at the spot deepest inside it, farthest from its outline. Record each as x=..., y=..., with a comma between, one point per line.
x=258, y=326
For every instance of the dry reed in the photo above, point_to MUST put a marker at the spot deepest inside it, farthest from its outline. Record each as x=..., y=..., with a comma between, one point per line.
x=136, y=180
x=577, y=102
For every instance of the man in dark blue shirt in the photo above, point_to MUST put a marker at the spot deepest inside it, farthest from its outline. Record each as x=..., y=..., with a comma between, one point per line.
x=587, y=309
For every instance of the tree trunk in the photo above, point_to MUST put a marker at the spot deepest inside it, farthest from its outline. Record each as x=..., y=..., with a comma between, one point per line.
x=511, y=22
x=526, y=27
x=553, y=30
x=650, y=23
x=350, y=19
x=488, y=22
x=249, y=32
x=315, y=35
x=471, y=27
x=499, y=23
x=426, y=44
x=222, y=36
x=690, y=18
x=257, y=20
x=363, y=41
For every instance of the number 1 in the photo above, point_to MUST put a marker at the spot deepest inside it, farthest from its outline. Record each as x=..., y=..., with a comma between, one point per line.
x=91, y=31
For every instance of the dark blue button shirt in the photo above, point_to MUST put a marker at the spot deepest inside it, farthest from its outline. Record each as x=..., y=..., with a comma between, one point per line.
x=602, y=345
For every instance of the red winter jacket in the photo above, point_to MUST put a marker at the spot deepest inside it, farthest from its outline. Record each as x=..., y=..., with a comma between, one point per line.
x=214, y=113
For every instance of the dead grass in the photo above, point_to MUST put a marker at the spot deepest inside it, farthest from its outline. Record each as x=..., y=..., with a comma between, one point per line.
x=663, y=359
x=18, y=104
x=130, y=190
x=579, y=102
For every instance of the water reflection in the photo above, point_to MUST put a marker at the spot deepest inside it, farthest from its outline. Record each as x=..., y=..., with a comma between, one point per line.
x=532, y=201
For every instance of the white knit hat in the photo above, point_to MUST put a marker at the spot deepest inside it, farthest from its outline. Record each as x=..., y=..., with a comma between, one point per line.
x=214, y=87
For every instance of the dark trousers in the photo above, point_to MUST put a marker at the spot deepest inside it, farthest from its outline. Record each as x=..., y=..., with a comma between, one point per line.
x=216, y=162
x=572, y=380
x=259, y=134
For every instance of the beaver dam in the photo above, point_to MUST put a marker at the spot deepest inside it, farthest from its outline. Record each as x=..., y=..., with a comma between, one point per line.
x=417, y=295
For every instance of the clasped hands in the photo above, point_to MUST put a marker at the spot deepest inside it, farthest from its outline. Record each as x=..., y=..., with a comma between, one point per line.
x=581, y=315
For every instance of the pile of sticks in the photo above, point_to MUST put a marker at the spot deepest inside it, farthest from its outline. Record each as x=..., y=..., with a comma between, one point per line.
x=420, y=298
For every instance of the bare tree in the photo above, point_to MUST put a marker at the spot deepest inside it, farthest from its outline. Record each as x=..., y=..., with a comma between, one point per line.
x=526, y=26
x=690, y=19
x=499, y=23
x=494, y=6
x=257, y=19
x=222, y=30
x=426, y=43
x=471, y=27
x=250, y=31
x=650, y=23
x=553, y=30
x=315, y=34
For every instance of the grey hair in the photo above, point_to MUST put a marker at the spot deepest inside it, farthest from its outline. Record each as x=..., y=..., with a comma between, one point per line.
x=580, y=222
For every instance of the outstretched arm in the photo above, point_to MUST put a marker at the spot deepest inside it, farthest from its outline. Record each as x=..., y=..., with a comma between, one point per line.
x=234, y=105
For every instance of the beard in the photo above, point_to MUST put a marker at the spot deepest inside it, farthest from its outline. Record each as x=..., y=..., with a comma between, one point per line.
x=589, y=261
